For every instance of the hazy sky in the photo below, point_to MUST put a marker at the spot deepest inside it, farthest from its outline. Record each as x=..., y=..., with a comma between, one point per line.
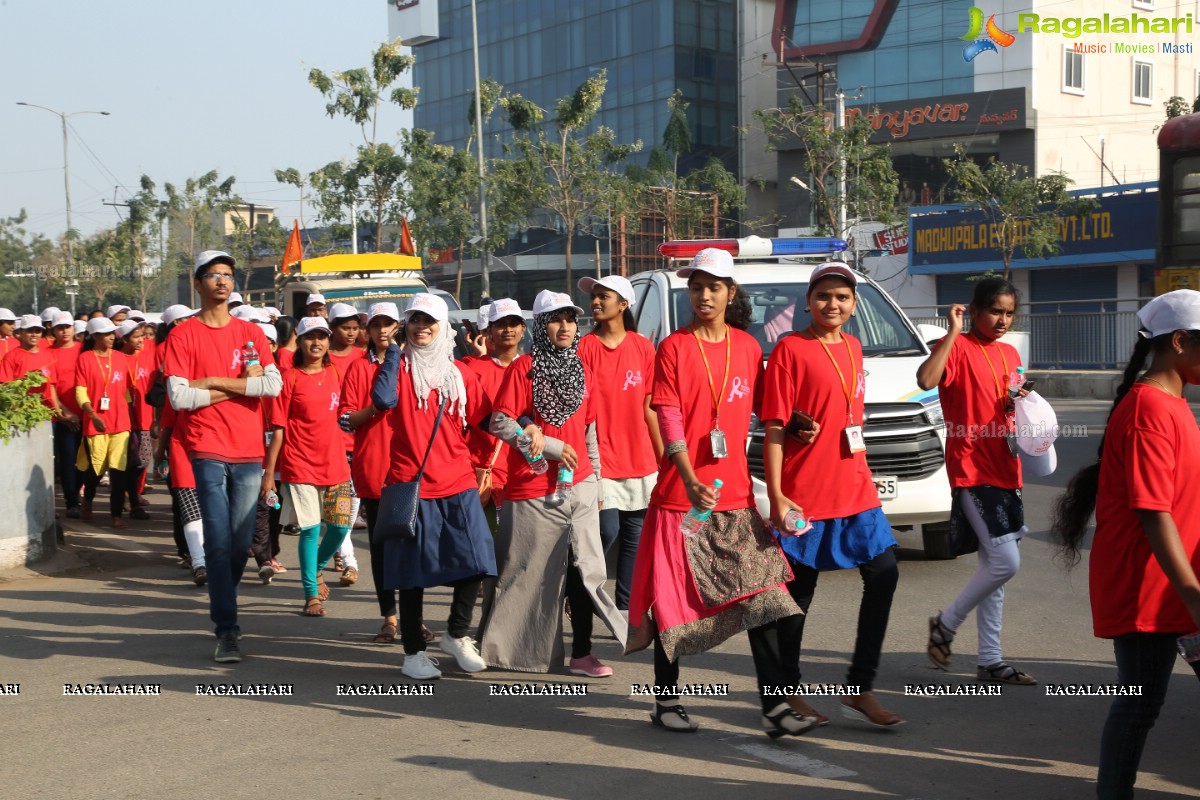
x=190, y=87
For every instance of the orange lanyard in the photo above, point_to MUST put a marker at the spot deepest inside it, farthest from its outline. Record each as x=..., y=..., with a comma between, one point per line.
x=1001, y=392
x=107, y=377
x=712, y=387
x=841, y=376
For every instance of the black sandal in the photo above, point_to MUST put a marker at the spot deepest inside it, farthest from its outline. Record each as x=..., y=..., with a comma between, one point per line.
x=673, y=718
x=938, y=646
x=783, y=721
x=1004, y=673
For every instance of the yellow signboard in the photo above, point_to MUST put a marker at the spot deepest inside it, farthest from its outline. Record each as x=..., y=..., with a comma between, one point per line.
x=361, y=262
x=1168, y=280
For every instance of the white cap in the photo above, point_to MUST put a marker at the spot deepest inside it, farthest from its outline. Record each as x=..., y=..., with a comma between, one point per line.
x=235, y=297
x=245, y=312
x=838, y=268
x=482, y=318
x=1174, y=311
x=342, y=311
x=310, y=324
x=212, y=257
x=620, y=285
x=1039, y=466
x=714, y=261
x=48, y=313
x=273, y=312
x=100, y=325
x=269, y=331
x=6, y=315
x=112, y=311
x=389, y=310
x=136, y=314
x=506, y=307
x=127, y=327
x=62, y=318
x=176, y=312
x=429, y=304
x=80, y=327
x=548, y=301
x=314, y=298
x=28, y=322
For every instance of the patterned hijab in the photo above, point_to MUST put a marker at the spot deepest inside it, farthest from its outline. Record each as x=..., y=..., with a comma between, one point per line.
x=432, y=368
x=558, y=381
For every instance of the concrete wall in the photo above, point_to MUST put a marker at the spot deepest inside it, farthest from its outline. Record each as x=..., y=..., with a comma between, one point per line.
x=27, y=530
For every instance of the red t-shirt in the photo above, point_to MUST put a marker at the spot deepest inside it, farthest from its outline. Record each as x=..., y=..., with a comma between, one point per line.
x=231, y=430
x=20, y=362
x=141, y=376
x=824, y=477
x=1150, y=462
x=45, y=344
x=482, y=444
x=105, y=377
x=974, y=392
x=181, y=476
x=307, y=411
x=8, y=344
x=623, y=379
x=65, y=359
x=343, y=364
x=448, y=470
x=516, y=400
x=681, y=380
x=373, y=438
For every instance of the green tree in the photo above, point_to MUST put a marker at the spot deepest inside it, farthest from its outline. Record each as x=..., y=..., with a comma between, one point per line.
x=193, y=209
x=564, y=169
x=23, y=253
x=1022, y=211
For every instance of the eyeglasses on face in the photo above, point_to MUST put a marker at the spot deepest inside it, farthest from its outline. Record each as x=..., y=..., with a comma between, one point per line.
x=213, y=277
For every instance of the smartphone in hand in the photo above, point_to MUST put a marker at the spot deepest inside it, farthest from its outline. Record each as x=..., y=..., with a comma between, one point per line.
x=800, y=422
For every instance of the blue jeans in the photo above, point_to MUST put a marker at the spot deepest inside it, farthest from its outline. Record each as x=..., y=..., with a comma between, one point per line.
x=623, y=528
x=66, y=450
x=228, y=495
x=1145, y=660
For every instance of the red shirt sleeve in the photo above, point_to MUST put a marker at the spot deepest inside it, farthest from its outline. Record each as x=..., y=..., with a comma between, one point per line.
x=666, y=391
x=1150, y=469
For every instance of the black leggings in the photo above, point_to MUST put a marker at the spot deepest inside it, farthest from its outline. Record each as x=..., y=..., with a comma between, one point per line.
x=117, y=480
x=583, y=610
x=386, y=597
x=412, y=602
x=879, y=578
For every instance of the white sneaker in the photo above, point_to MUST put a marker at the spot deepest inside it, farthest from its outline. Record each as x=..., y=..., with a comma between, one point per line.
x=465, y=653
x=421, y=667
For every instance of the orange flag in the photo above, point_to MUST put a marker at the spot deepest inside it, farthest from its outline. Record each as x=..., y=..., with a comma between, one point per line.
x=406, y=241
x=294, y=252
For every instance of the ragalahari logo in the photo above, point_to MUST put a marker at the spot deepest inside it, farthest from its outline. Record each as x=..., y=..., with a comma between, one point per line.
x=978, y=44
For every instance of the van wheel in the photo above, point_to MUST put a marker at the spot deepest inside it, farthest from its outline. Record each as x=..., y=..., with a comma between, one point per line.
x=935, y=538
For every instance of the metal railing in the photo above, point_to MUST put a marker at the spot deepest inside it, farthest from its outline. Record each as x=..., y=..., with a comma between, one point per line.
x=1061, y=337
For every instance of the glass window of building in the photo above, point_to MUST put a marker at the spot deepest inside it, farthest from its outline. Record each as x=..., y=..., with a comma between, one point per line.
x=1143, y=82
x=1073, y=72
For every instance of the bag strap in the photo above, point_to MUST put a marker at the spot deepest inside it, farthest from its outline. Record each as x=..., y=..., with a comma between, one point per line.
x=495, y=454
x=436, y=423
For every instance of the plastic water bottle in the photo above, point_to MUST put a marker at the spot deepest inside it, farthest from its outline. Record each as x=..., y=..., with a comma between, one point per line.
x=163, y=468
x=1016, y=382
x=694, y=519
x=536, y=463
x=794, y=524
x=273, y=499
x=1189, y=648
x=249, y=354
x=562, y=486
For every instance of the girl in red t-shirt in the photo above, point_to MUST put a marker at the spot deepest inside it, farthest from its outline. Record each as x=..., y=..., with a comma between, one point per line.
x=622, y=363
x=548, y=544
x=307, y=448
x=344, y=350
x=1145, y=556
x=973, y=373
x=131, y=342
x=730, y=575
x=102, y=392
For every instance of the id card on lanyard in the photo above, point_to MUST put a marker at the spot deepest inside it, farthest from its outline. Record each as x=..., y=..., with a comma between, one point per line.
x=853, y=430
x=104, y=401
x=716, y=437
x=1010, y=435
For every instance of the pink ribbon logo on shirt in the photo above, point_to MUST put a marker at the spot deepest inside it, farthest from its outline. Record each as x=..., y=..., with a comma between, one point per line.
x=740, y=389
x=236, y=364
x=333, y=401
x=116, y=377
x=632, y=378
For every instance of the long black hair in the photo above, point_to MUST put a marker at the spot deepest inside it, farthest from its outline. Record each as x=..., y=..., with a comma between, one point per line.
x=284, y=328
x=987, y=290
x=1074, y=507
x=738, y=314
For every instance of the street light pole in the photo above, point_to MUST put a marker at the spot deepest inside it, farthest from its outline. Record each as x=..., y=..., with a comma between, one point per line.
x=485, y=287
x=66, y=169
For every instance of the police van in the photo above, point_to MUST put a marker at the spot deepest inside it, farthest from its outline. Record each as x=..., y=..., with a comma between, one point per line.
x=904, y=429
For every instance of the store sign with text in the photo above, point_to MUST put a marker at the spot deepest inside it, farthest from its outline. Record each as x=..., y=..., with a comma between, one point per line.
x=949, y=115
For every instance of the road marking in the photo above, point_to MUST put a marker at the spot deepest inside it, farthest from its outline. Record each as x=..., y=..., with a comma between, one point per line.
x=812, y=767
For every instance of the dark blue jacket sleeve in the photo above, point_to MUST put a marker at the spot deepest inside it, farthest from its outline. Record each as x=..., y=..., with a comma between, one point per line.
x=383, y=391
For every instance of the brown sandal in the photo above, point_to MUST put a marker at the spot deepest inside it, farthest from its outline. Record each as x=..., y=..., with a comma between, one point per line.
x=866, y=707
x=313, y=607
x=387, y=634
x=322, y=588
x=427, y=634
x=937, y=647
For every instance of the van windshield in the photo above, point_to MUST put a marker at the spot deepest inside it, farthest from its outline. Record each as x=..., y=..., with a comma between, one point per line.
x=778, y=309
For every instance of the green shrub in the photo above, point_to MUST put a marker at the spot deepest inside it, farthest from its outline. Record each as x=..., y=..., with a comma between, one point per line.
x=20, y=411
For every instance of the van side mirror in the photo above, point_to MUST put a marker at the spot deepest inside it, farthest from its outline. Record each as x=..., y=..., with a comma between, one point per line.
x=930, y=334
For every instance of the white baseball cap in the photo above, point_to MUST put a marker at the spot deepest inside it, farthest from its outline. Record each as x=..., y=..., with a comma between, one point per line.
x=136, y=314
x=314, y=298
x=245, y=312
x=342, y=311
x=269, y=331
x=1039, y=466
x=62, y=318
x=429, y=304
x=235, y=297
x=7, y=315
x=28, y=322
x=310, y=324
x=48, y=313
x=482, y=318
x=714, y=261
x=127, y=327
x=547, y=302
x=838, y=268
x=1174, y=311
x=213, y=257
x=620, y=285
x=388, y=310
x=100, y=325
x=505, y=307
x=176, y=312
x=80, y=327
x=274, y=313
x=112, y=311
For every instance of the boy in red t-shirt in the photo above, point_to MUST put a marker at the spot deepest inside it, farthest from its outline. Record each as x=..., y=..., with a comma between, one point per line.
x=218, y=368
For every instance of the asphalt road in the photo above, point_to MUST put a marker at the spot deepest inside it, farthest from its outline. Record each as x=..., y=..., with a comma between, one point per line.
x=123, y=613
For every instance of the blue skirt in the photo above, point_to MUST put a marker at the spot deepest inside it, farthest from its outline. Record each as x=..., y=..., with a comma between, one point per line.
x=453, y=542
x=842, y=542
